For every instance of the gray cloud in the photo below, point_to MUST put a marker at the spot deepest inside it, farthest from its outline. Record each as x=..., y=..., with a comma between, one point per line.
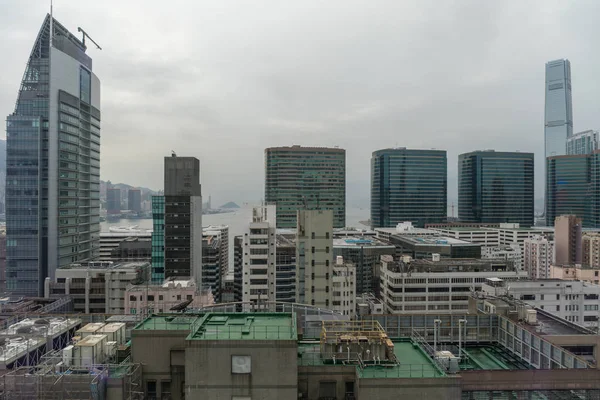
x=222, y=80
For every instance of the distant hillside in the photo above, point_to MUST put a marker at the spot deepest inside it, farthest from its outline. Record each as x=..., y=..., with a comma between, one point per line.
x=231, y=204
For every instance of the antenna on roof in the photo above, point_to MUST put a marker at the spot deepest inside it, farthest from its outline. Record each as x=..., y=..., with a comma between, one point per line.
x=51, y=23
x=88, y=36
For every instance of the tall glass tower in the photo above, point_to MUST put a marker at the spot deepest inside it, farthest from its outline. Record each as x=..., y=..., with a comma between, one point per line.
x=299, y=178
x=495, y=187
x=53, y=162
x=408, y=185
x=558, y=121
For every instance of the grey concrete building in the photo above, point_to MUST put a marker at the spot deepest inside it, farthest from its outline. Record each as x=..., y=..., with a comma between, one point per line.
x=52, y=162
x=134, y=200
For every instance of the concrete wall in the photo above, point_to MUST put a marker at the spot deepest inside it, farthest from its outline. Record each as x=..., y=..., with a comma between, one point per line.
x=310, y=378
x=560, y=379
x=274, y=374
x=577, y=340
x=406, y=388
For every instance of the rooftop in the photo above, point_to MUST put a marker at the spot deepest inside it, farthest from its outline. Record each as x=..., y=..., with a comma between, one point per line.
x=104, y=265
x=245, y=326
x=435, y=240
x=167, y=323
x=359, y=241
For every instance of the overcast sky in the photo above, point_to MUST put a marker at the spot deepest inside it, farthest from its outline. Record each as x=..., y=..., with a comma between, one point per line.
x=221, y=80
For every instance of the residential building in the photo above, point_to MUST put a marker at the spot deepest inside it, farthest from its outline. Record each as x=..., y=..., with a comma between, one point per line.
x=568, y=188
x=538, y=257
x=509, y=234
x=306, y=178
x=496, y=187
x=183, y=219
x=96, y=287
x=259, y=248
x=576, y=272
x=364, y=253
x=558, y=118
x=343, y=283
x=567, y=240
x=222, y=232
x=314, y=257
x=149, y=299
x=511, y=252
x=573, y=301
x=211, y=264
x=424, y=286
x=585, y=142
x=408, y=185
x=228, y=289
x=238, y=268
x=52, y=162
x=591, y=250
x=134, y=200
x=113, y=201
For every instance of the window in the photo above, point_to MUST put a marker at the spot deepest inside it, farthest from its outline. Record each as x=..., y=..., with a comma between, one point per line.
x=189, y=297
x=150, y=297
x=557, y=298
x=132, y=311
x=85, y=86
x=165, y=389
x=160, y=297
x=131, y=298
x=241, y=364
x=178, y=297
x=151, y=388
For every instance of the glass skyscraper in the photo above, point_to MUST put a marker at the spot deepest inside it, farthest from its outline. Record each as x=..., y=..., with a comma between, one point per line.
x=306, y=178
x=408, y=185
x=558, y=121
x=53, y=162
x=496, y=187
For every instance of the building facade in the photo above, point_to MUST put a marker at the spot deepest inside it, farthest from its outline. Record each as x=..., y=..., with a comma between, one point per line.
x=222, y=232
x=591, y=250
x=183, y=219
x=149, y=299
x=314, y=257
x=568, y=188
x=158, y=239
x=408, y=185
x=343, y=286
x=496, y=187
x=538, y=257
x=211, y=264
x=52, y=162
x=567, y=240
x=585, y=142
x=306, y=178
x=259, y=248
x=113, y=201
x=558, y=115
x=134, y=200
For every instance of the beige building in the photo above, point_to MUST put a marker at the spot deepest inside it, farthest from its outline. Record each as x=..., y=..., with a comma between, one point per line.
x=591, y=250
x=567, y=240
x=538, y=257
x=344, y=287
x=149, y=299
x=314, y=257
x=575, y=272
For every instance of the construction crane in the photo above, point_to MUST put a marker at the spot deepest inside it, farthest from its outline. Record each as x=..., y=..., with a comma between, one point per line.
x=88, y=36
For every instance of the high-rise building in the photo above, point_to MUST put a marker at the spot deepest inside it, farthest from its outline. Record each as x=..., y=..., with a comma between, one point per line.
x=567, y=240
x=222, y=233
x=568, y=188
x=113, y=201
x=306, y=178
x=134, y=200
x=408, y=185
x=496, y=187
x=591, y=250
x=558, y=121
x=211, y=263
x=259, y=256
x=538, y=257
x=585, y=142
x=181, y=230
x=314, y=257
x=592, y=219
x=53, y=162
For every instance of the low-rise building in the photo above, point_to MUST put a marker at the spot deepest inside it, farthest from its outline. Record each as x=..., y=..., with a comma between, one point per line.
x=109, y=241
x=96, y=287
x=403, y=228
x=510, y=252
x=148, y=299
x=440, y=285
x=575, y=272
x=418, y=247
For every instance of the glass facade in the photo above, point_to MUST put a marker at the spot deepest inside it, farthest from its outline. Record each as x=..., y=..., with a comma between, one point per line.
x=558, y=107
x=306, y=178
x=158, y=239
x=573, y=187
x=585, y=142
x=496, y=187
x=408, y=185
x=53, y=164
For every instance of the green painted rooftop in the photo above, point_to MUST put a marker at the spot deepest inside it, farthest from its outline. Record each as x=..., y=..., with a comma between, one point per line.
x=245, y=326
x=167, y=323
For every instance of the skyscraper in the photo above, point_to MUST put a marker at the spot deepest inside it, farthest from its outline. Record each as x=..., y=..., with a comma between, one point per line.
x=113, y=201
x=558, y=121
x=53, y=162
x=408, y=185
x=177, y=243
x=495, y=187
x=306, y=178
x=134, y=200
x=568, y=188
x=585, y=142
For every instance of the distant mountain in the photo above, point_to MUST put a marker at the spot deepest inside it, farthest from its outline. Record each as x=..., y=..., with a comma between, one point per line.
x=231, y=204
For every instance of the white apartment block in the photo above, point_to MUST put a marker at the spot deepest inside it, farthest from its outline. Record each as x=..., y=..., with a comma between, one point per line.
x=510, y=252
x=575, y=301
x=344, y=287
x=259, y=248
x=425, y=286
x=538, y=257
x=314, y=257
x=591, y=250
